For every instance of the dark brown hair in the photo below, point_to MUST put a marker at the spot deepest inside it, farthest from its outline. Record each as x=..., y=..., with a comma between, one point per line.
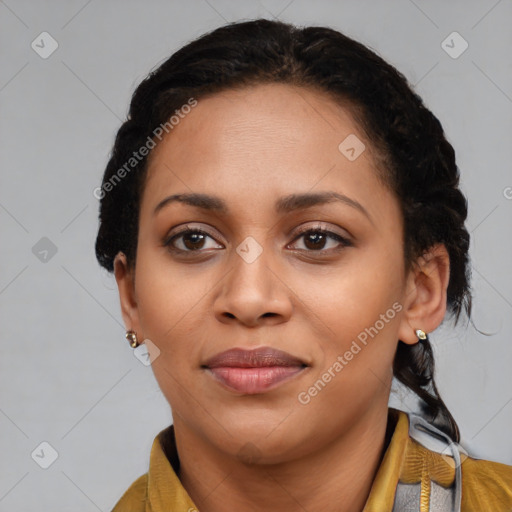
x=416, y=160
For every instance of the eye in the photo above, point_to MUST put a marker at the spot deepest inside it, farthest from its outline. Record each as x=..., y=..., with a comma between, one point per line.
x=190, y=240
x=316, y=239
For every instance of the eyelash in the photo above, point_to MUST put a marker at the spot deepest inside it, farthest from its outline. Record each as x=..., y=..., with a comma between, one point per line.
x=168, y=242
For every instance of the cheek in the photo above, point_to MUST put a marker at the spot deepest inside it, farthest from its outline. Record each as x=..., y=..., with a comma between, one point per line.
x=171, y=315
x=357, y=314
x=350, y=297
x=356, y=365
x=168, y=296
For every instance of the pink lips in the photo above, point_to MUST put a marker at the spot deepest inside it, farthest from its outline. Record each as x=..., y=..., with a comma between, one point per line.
x=253, y=371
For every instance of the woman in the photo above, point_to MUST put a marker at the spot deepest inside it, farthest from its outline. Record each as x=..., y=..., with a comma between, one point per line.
x=283, y=218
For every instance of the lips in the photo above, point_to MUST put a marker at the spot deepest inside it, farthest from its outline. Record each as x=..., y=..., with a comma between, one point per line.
x=253, y=371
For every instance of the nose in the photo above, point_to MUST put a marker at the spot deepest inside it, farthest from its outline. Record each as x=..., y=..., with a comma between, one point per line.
x=253, y=293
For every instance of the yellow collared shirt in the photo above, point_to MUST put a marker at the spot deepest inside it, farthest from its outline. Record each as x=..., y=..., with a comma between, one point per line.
x=486, y=485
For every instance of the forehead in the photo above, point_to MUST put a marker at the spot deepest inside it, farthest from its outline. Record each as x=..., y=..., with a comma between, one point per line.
x=260, y=142
x=276, y=117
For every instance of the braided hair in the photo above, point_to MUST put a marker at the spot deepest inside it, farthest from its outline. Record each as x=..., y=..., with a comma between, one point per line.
x=414, y=158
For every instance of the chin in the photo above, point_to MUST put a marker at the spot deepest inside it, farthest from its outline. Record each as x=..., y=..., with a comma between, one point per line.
x=268, y=440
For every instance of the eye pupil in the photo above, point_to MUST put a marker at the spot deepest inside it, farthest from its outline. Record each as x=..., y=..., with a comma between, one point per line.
x=317, y=238
x=196, y=240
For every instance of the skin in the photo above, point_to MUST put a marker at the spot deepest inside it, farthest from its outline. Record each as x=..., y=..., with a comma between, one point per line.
x=251, y=147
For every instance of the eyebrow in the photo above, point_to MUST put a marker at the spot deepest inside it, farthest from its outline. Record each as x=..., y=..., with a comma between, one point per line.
x=285, y=204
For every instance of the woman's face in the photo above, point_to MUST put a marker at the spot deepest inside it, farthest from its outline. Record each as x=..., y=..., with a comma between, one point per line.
x=259, y=172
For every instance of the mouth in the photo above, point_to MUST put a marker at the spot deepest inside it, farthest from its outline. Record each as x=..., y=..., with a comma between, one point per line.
x=253, y=371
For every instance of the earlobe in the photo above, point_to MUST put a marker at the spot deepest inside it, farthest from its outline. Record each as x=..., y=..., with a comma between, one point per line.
x=427, y=287
x=125, y=284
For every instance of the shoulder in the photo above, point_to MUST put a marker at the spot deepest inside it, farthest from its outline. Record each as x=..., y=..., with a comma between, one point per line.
x=134, y=499
x=437, y=467
x=486, y=483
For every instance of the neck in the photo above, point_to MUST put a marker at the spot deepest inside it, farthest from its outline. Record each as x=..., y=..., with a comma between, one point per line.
x=340, y=474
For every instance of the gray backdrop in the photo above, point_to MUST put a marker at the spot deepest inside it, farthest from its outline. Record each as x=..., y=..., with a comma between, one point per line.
x=67, y=375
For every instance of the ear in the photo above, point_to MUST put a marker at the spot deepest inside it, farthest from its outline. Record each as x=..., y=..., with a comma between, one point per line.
x=425, y=296
x=125, y=279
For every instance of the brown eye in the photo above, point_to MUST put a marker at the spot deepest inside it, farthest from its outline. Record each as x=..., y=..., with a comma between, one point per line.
x=189, y=240
x=315, y=240
x=193, y=240
x=318, y=239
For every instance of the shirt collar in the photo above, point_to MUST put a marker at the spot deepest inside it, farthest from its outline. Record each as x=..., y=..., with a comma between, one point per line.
x=165, y=491
x=382, y=493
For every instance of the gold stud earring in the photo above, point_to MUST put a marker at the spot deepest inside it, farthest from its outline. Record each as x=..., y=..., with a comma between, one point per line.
x=421, y=334
x=131, y=336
